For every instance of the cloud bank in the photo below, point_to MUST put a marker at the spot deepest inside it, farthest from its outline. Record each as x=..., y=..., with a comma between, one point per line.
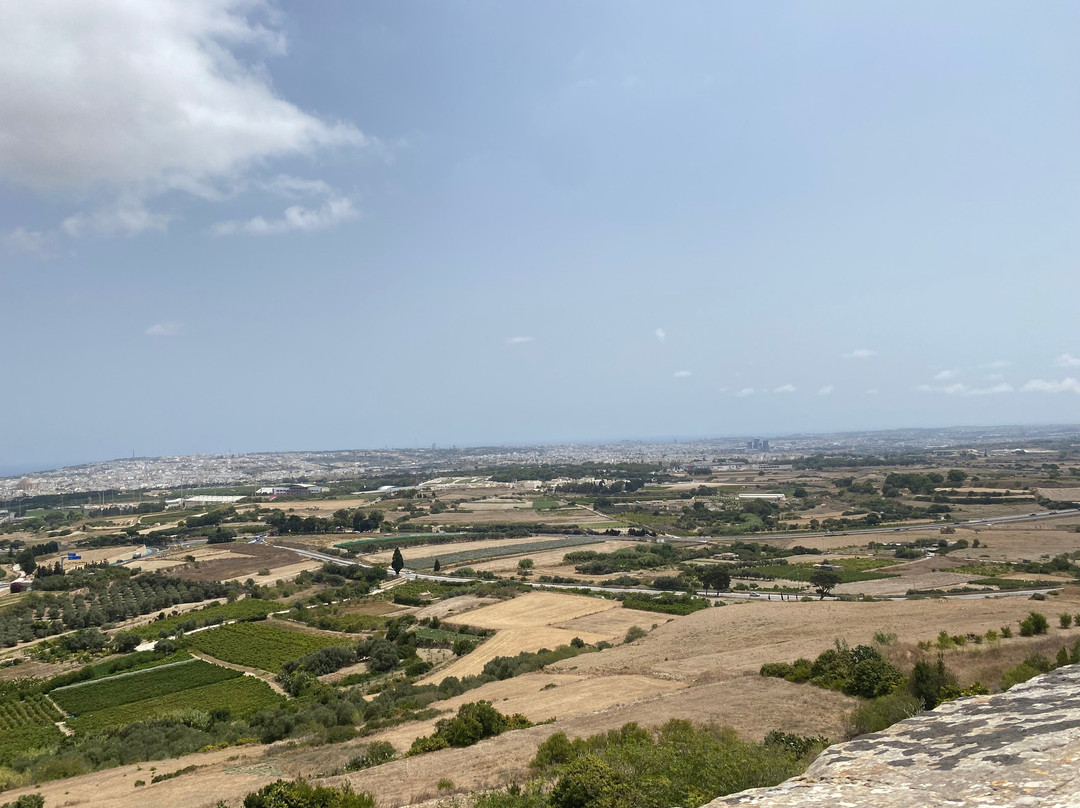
x=123, y=101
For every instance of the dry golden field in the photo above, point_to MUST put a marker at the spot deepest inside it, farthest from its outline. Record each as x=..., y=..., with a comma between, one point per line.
x=702, y=667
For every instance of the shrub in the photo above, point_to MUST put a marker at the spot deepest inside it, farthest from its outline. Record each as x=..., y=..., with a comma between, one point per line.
x=932, y=684
x=1065, y=620
x=872, y=678
x=634, y=633
x=883, y=712
x=284, y=794
x=1006, y=632
x=1021, y=673
x=1034, y=623
x=377, y=752
x=555, y=751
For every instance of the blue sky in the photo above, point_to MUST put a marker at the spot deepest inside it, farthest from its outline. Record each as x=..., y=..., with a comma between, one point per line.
x=236, y=225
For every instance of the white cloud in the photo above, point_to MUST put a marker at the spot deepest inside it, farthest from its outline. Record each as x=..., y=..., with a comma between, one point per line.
x=123, y=101
x=1067, y=361
x=127, y=218
x=784, y=388
x=518, y=340
x=746, y=391
x=164, y=330
x=661, y=334
x=683, y=374
x=860, y=353
x=826, y=390
x=27, y=242
x=960, y=389
x=1067, y=385
x=943, y=375
x=296, y=218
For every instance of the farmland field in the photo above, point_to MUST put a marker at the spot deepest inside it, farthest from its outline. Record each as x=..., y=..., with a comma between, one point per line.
x=247, y=609
x=122, y=689
x=241, y=695
x=25, y=725
x=258, y=645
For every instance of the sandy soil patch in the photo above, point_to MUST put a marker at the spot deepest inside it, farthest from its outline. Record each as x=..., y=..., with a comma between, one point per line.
x=286, y=573
x=738, y=638
x=537, y=609
x=1010, y=543
x=550, y=561
x=526, y=623
x=510, y=642
x=426, y=550
x=614, y=623
x=899, y=586
x=453, y=606
x=238, y=560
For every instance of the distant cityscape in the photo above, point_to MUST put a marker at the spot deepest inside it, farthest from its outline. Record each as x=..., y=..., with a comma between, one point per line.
x=201, y=471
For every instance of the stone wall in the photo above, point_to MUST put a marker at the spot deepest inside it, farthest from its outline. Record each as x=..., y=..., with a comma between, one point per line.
x=1020, y=748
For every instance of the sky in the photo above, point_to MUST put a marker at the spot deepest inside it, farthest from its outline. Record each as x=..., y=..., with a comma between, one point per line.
x=245, y=225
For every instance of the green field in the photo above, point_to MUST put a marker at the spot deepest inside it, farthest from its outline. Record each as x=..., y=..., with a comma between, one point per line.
x=485, y=553
x=125, y=688
x=27, y=724
x=242, y=696
x=247, y=609
x=257, y=645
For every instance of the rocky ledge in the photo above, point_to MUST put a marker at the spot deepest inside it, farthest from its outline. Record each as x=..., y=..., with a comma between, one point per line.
x=1020, y=748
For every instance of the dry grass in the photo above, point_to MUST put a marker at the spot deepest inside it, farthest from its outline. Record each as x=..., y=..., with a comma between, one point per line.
x=536, y=609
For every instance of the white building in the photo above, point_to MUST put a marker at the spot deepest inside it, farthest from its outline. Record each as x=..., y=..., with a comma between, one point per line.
x=290, y=489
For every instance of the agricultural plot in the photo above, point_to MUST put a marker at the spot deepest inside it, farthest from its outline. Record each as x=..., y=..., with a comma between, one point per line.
x=27, y=724
x=152, y=683
x=258, y=645
x=241, y=695
x=498, y=551
x=803, y=572
x=247, y=609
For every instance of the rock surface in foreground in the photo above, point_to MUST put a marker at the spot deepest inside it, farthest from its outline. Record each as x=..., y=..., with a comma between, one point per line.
x=1020, y=748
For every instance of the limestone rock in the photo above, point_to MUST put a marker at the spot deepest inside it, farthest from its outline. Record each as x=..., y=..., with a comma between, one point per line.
x=1020, y=748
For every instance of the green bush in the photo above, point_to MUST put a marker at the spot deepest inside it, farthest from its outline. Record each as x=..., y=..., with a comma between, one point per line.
x=883, y=712
x=1065, y=620
x=299, y=794
x=1034, y=623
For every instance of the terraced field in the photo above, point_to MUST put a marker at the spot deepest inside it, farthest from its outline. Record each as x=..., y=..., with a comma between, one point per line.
x=241, y=695
x=258, y=645
x=163, y=680
x=27, y=724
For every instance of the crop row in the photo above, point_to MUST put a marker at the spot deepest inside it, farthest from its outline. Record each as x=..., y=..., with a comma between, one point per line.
x=247, y=609
x=257, y=645
x=151, y=683
x=484, y=553
x=242, y=696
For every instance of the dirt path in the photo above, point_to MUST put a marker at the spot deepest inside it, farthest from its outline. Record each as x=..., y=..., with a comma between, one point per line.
x=254, y=672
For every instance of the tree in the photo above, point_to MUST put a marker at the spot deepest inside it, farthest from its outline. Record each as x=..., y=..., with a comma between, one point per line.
x=956, y=477
x=824, y=581
x=397, y=562
x=436, y=566
x=525, y=566
x=715, y=577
